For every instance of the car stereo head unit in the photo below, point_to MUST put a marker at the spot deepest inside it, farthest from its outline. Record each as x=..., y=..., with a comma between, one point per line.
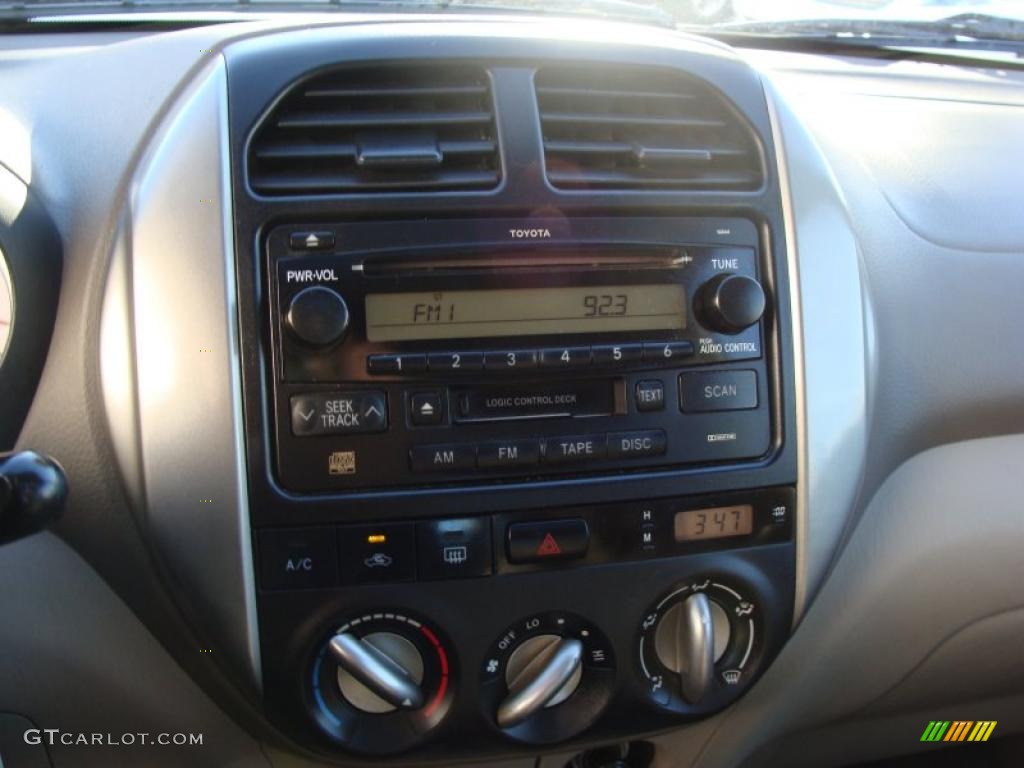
x=407, y=353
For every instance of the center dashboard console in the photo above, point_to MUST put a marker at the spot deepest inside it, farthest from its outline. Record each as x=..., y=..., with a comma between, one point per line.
x=522, y=459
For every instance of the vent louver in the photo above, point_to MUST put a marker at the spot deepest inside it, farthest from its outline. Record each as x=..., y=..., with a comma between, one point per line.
x=414, y=128
x=642, y=129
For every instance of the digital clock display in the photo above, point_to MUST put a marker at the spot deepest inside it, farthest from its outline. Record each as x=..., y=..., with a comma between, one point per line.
x=714, y=523
x=524, y=312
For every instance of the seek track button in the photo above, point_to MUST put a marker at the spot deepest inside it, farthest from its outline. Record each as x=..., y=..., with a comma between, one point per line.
x=339, y=413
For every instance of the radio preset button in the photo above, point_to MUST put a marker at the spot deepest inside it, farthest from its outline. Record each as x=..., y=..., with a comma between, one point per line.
x=617, y=354
x=396, y=363
x=339, y=413
x=510, y=360
x=565, y=357
x=667, y=352
x=442, y=458
x=426, y=409
x=575, y=448
x=508, y=453
x=455, y=361
x=636, y=444
x=650, y=395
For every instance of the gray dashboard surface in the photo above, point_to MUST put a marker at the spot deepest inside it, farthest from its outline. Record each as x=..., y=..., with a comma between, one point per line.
x=938, y=227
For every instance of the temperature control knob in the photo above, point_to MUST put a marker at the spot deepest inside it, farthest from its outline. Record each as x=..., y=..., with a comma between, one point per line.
x=317, y=316
x=699, y=645
x=380, y=682
x=547, y=677
x=730, y=303
x=378, y=673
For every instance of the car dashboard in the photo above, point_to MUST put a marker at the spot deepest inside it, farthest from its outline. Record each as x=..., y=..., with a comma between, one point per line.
x=479, y=389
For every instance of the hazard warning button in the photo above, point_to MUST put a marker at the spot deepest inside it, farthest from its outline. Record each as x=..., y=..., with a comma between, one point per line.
x=543, y=540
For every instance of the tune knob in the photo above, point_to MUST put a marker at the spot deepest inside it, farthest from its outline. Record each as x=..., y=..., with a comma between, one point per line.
x=381, y=682
x=730, y=303
x=317, y=316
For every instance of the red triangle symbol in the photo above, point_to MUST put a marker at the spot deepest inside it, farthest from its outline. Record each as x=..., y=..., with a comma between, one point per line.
x=549, y=546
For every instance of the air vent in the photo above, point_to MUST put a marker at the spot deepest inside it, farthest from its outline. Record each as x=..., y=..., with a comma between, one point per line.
x=642, y=129
x=415, y=128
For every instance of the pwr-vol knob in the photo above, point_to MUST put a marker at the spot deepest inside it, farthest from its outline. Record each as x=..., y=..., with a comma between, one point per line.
x=730, y=303
x=317, y=316
x=381, y=682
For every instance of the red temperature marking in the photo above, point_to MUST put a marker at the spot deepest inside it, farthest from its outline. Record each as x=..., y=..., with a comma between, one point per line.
x=443, y=685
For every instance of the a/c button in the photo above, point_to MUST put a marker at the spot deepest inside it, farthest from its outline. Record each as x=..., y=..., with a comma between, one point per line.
x=298, y=558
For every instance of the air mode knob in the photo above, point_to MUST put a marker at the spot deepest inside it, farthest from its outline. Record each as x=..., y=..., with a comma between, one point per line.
x=317, y=316
x=730, y=303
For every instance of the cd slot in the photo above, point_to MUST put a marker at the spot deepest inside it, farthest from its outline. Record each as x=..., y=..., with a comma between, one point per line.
x=533, y=260
x=602, y=397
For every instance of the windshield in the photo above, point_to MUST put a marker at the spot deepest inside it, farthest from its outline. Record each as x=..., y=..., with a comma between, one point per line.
x=956, y=21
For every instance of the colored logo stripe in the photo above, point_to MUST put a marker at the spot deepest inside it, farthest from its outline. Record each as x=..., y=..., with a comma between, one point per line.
x=935, y=730
x=958, y=730
x=982, y=730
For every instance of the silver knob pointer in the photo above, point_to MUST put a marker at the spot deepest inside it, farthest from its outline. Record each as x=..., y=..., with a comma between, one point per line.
x=696, y=650
x=542, y=681
x=376, y=671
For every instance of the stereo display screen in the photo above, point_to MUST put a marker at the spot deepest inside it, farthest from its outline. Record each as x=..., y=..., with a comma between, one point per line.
x=524, y=312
